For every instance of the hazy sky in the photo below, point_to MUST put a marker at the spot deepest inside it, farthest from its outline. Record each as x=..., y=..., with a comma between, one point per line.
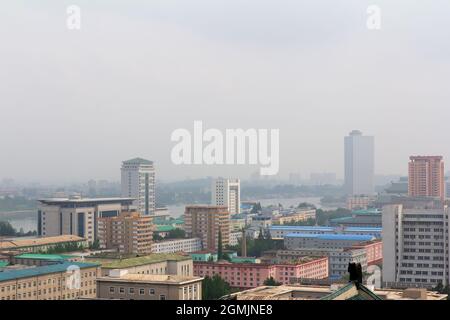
x=74, y=104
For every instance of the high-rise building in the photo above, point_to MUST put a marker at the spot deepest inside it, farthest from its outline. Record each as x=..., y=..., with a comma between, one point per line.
x=138, y=181
x=227, y=192
x=205, y=222
x=77, y=216
x=129, y=232
x=415, y=246
x=426, y=177
x=359, y=164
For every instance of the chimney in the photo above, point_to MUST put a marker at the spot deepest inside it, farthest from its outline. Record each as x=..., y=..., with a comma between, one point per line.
x=244, y=244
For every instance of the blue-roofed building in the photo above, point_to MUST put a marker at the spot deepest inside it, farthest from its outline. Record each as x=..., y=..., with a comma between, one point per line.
x=59, y=281
x=280, y=232
x=293, y=241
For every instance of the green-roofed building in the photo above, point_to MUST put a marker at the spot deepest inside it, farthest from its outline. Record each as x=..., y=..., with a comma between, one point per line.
x=157, y=263
x=36, y=259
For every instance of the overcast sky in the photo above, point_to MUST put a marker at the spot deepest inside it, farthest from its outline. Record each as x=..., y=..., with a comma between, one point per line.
x=74, y=104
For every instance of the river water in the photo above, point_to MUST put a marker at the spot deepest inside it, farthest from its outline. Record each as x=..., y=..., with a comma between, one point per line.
x=27, y=220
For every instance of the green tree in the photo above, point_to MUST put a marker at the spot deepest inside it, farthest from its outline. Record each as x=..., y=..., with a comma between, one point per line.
x=6, y=229
x=95, y=245
x=271, y=282
x=214, y=287
x=176, y=234
x=256, y=208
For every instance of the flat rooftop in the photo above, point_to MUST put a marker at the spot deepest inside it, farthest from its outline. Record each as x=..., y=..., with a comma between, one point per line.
x=305, y=292
x=151, y=278
x=116, y=263
x=37, y=256
x=12, y=244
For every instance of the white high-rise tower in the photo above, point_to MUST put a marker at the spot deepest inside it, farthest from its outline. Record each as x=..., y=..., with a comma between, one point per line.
x=359, y=164
x=138, y=181
x=227, y=192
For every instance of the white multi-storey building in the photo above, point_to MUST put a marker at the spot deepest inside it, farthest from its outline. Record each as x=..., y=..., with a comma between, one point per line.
x=177, y=245
x=359, y=164
x=234, y=238
x=138, y=181
x=415, y=246
x=77, y=216
x=227, y=192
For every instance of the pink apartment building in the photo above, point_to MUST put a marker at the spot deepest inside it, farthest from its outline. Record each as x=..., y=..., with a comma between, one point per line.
x=374, y=250
x=251, y=275
x=426, y=177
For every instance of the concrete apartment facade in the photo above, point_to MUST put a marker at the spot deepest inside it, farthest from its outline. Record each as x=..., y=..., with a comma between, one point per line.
x=227, y=192
x=138, y=181
x=249, y=275
x=297, y=216
x=177, y=245
x=415, y=246
x=129, y=232
x=205, y=221
x=426, y=177
x=149, y=287
x=60, y=281
x=77, y=216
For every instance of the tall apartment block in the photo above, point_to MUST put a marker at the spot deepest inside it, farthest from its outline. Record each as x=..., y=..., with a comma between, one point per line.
x=129, y=232
x=415, y=246
x=426, y=177
x=77, y=216
x=205, y=221
x=227, y=192
x=138, y=181
x=359, y=164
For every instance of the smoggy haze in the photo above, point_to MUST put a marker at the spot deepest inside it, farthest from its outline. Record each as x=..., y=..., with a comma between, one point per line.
x=74, y=104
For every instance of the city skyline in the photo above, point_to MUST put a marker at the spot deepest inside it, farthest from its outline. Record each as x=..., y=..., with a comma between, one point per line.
x=314, y=79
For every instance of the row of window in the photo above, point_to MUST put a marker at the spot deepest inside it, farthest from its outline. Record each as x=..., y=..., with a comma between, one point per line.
x=131, y=291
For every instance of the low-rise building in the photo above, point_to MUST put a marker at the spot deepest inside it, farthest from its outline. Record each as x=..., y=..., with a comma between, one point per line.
x=158, y=263
x=249, y=275
x=295, y=241
x=359, y=218
x=297, y=216
x=37, y=259
x=59, y=281
x=279, y=232
x=177, y=245
x=149, y=287
x=42, y=244
x=356, y=202
x=338, y=259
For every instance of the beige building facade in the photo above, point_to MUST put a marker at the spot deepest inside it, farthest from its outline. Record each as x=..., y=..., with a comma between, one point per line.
x=205, y=221
x=149, y=287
